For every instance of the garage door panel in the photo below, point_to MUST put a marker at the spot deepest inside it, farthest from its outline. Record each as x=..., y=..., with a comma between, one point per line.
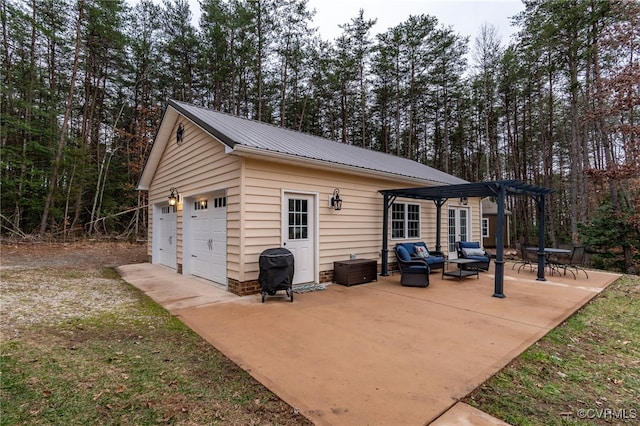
x=166, y=237
x=209, y=239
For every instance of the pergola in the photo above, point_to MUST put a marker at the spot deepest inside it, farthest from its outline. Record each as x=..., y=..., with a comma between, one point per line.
x=440, y=194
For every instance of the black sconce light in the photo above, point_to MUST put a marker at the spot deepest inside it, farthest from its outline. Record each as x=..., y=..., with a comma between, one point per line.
x=174, y=197
x=180, y=133
x=336, y=202
x=464, y=201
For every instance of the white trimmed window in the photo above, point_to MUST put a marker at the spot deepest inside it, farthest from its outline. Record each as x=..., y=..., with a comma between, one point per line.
x=405, y=220
x=485, y=228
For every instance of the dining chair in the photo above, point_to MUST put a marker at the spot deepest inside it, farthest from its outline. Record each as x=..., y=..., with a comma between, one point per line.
x=527, y=257
x=574, y=263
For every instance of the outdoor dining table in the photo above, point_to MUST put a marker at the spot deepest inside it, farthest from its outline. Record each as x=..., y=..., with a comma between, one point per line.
x=548, y=252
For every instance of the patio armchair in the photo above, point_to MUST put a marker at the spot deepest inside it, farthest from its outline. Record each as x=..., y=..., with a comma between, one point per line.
x=419, y=250
x=414, y=272
x=472, y=250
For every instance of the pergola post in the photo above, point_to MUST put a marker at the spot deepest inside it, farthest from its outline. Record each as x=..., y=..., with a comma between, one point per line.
x=439, y=203
x=498, y=290
x=385, y=233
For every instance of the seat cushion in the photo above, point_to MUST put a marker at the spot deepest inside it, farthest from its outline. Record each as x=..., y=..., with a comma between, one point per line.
x=431, y=260
x=403, y=254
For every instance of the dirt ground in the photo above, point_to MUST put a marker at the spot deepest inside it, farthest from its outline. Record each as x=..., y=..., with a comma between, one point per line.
x=47, y=282
x=43, y=285
x=79, y=255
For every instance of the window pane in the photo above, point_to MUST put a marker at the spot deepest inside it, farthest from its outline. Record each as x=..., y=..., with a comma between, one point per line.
x=413, y=221
x=452, y=230
x=397, y=220
x=463, y=225
x=298, y=219
x=405, y=220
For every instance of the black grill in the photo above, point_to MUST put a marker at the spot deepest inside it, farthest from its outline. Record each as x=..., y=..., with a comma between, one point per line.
x=276, y=272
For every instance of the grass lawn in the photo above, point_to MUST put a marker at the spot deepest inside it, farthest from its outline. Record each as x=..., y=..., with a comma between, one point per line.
x=133, y=366
x=586, y=371
x=81, y=346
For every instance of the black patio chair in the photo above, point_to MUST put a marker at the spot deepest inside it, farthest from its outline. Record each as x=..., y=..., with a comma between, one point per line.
x=473, y=251
x=414, y=271
x=527, y=257
x=574, y=264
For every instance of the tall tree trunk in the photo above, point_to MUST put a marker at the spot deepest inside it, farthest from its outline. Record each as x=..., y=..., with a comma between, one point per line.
x=574, y=174
x=65, y=123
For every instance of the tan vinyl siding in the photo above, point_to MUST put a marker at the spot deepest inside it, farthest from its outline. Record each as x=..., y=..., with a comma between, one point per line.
x=198, y=166
x=356, y=229
x=254, y=189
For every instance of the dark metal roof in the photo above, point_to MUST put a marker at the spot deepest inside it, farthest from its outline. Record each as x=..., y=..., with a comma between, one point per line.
x=476, y=189
x=237, y=132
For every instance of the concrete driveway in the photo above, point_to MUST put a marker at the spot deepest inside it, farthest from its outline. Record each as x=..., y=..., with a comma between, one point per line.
x=377, y=353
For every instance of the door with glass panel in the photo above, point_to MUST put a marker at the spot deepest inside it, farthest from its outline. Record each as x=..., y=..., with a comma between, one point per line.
x=458, y=228
x=299, y=234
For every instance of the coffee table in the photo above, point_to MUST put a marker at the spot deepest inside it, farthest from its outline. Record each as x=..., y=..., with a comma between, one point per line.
x=460, y=273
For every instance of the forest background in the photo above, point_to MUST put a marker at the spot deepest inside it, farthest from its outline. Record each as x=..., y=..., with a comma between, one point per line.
x=85, y=82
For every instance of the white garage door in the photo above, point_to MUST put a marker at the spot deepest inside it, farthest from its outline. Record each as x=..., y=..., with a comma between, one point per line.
x=166, y=238
x=208, y=240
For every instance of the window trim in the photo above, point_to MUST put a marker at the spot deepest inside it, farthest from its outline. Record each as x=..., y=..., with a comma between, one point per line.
x=484, y=226
x=406, y=221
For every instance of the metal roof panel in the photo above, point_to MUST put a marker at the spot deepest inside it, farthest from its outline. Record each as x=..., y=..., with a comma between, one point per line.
x=233, y=130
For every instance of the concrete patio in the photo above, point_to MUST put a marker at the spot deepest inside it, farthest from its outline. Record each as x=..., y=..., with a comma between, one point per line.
x=376, y=353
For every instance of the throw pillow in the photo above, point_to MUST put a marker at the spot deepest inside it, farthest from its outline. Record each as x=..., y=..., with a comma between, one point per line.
x=403, y=253
x=422, y=251
x=473, y=252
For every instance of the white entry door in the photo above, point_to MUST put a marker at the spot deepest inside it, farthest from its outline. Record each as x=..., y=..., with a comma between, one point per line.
x=458, y=228
x=299, y=235
x=166, y=237
x=208, y=239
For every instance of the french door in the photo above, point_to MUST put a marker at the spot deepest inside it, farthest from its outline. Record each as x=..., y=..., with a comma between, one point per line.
x=458, y=228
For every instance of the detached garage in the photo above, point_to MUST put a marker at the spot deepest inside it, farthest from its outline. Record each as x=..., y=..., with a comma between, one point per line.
x=222, y=189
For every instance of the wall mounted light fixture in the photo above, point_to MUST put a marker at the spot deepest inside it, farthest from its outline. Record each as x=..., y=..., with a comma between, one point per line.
x=336, y=201
x=180, y=134
x=464, y=201
x=174, y=197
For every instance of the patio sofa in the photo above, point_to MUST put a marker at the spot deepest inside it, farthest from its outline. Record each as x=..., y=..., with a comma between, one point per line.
x=472, y=250
x=419, y=251
x=416, y=263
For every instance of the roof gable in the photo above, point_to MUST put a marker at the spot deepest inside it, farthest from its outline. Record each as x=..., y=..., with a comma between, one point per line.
x=243, y=137
x=491, y=207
